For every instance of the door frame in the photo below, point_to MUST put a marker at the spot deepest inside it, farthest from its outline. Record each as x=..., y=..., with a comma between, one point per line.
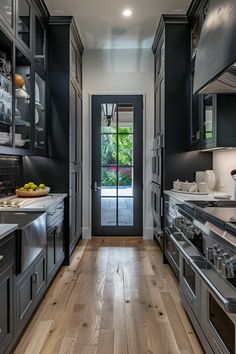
x=136, y=229
x=87, y=229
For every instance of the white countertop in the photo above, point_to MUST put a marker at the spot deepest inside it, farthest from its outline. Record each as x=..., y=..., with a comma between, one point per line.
x=6, y=229
x=181, y=197
x=36, y=204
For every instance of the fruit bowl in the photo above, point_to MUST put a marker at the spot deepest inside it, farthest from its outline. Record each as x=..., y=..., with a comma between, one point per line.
x=29, y=194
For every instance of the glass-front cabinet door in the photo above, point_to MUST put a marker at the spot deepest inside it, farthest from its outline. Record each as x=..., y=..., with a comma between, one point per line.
x=23, y=21
x=40, y=42
x=5, y=91
x=6, y=10
x=39, y=117
x=208, y=118
x=22, y=101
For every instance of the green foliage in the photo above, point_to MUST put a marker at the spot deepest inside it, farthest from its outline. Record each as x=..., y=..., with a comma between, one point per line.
x=109, y=157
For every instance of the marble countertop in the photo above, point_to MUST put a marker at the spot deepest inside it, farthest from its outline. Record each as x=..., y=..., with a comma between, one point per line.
x=6, y=229
x=37, y=204
x=182, y=197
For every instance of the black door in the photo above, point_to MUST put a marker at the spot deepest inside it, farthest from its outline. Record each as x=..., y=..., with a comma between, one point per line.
x=117, y=155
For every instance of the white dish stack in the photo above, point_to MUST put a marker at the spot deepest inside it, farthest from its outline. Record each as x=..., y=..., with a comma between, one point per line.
x=205, y=183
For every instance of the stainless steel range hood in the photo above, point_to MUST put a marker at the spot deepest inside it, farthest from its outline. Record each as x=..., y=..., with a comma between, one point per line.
x=215, y=68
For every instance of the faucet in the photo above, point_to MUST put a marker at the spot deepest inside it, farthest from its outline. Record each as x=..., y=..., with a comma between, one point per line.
x=233, y=174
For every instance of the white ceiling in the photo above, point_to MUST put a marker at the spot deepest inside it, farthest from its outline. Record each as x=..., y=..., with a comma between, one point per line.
x=101, y=24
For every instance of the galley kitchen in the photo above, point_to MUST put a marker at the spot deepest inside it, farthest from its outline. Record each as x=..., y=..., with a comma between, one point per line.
x=117, y=177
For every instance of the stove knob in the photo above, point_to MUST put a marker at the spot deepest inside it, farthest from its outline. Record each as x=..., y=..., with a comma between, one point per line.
x=210, y=254
x=219, y=262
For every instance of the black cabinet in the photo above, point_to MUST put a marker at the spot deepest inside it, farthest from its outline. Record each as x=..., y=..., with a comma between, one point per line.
x=211, y=116
x=30, y=287
x=23, y=43
x=63, y=172
x=6, y=292
x=55, y=247
x=66, y=112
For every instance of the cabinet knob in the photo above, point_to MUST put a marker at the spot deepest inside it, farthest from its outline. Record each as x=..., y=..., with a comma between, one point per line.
x=1, y=257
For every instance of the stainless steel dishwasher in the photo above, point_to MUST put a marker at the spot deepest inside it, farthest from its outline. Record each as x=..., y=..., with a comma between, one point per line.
x=31, y=236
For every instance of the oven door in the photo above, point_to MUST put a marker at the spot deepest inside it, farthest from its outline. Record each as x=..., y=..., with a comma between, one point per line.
x=157, y=166
x=171, y=252
x=217, y=324
x=190, y=286
x=157, y=212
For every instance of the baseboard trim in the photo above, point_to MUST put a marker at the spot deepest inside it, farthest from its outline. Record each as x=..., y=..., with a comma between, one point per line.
x=148, y=233
x=86, y=233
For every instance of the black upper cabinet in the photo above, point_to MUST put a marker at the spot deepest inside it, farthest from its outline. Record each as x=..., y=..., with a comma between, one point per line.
x=23, y=21
x=207, y=111
x=23, y=73
x=6, y=11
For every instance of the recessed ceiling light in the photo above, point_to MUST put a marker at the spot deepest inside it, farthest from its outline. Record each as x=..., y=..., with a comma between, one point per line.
x=127, y=13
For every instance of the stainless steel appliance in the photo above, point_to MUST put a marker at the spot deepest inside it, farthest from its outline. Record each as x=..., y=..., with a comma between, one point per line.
x=157, y=189
x=31, y=236
x=207, y=270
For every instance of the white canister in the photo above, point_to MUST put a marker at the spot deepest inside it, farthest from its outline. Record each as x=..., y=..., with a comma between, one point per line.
x=202, y=187
x=177, y=185
x=210, y=179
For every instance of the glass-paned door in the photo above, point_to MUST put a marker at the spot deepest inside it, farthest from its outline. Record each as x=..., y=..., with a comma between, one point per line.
x=117, y=165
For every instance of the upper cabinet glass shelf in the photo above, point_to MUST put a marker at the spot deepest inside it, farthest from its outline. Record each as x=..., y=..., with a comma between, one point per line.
x=23, y=21
x=6, y=10
x=22, y=104
x=5, y=90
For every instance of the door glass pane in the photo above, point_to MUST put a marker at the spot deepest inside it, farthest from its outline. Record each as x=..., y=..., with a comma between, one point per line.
x=125, y=149
x=5, y=90
x=22, y=106
x=208, y=117
x=125, y=181
x=40, y=43
x=6, y=9
x=108, y=181
x=109, y=149
x=125, y=211
x=108, y=118
x=23, y=21
x=117, y=164
x=39, y=111
x=108, y=211
x=126, y=118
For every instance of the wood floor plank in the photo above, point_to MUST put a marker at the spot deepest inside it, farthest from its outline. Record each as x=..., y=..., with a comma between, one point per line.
x=116, y=297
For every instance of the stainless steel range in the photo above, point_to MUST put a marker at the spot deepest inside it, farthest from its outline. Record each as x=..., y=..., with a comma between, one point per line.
x=202, y=233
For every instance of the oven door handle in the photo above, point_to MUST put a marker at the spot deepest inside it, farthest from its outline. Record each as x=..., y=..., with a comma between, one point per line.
x=228, y=303
x=186, y=256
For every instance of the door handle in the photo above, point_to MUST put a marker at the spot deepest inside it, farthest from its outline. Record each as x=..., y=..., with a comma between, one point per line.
x=96, y=188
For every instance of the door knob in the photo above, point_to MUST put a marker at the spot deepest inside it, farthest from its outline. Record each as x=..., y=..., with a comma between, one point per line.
x=96, y=188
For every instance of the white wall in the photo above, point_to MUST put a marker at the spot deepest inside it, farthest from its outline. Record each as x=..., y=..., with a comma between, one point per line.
x=224, y=161
x=118, y=71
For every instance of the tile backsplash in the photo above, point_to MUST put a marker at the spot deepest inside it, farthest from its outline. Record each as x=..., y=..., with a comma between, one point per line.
x=224, y=161
x=10, y=174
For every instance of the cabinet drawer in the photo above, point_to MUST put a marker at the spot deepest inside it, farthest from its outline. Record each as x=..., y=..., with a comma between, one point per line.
x=54, y=212
x=7, y=250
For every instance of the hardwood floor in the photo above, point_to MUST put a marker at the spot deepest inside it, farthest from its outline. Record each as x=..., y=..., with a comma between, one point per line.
x=116, y=297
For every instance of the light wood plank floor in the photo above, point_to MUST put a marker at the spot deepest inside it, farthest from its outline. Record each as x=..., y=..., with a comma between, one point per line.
x=116, y=297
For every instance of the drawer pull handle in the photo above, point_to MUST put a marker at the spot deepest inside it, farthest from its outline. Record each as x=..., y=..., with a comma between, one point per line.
x=1, y=257
x=52, y=213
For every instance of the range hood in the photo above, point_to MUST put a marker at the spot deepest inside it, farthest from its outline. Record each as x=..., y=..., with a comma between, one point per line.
x=215, y=67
